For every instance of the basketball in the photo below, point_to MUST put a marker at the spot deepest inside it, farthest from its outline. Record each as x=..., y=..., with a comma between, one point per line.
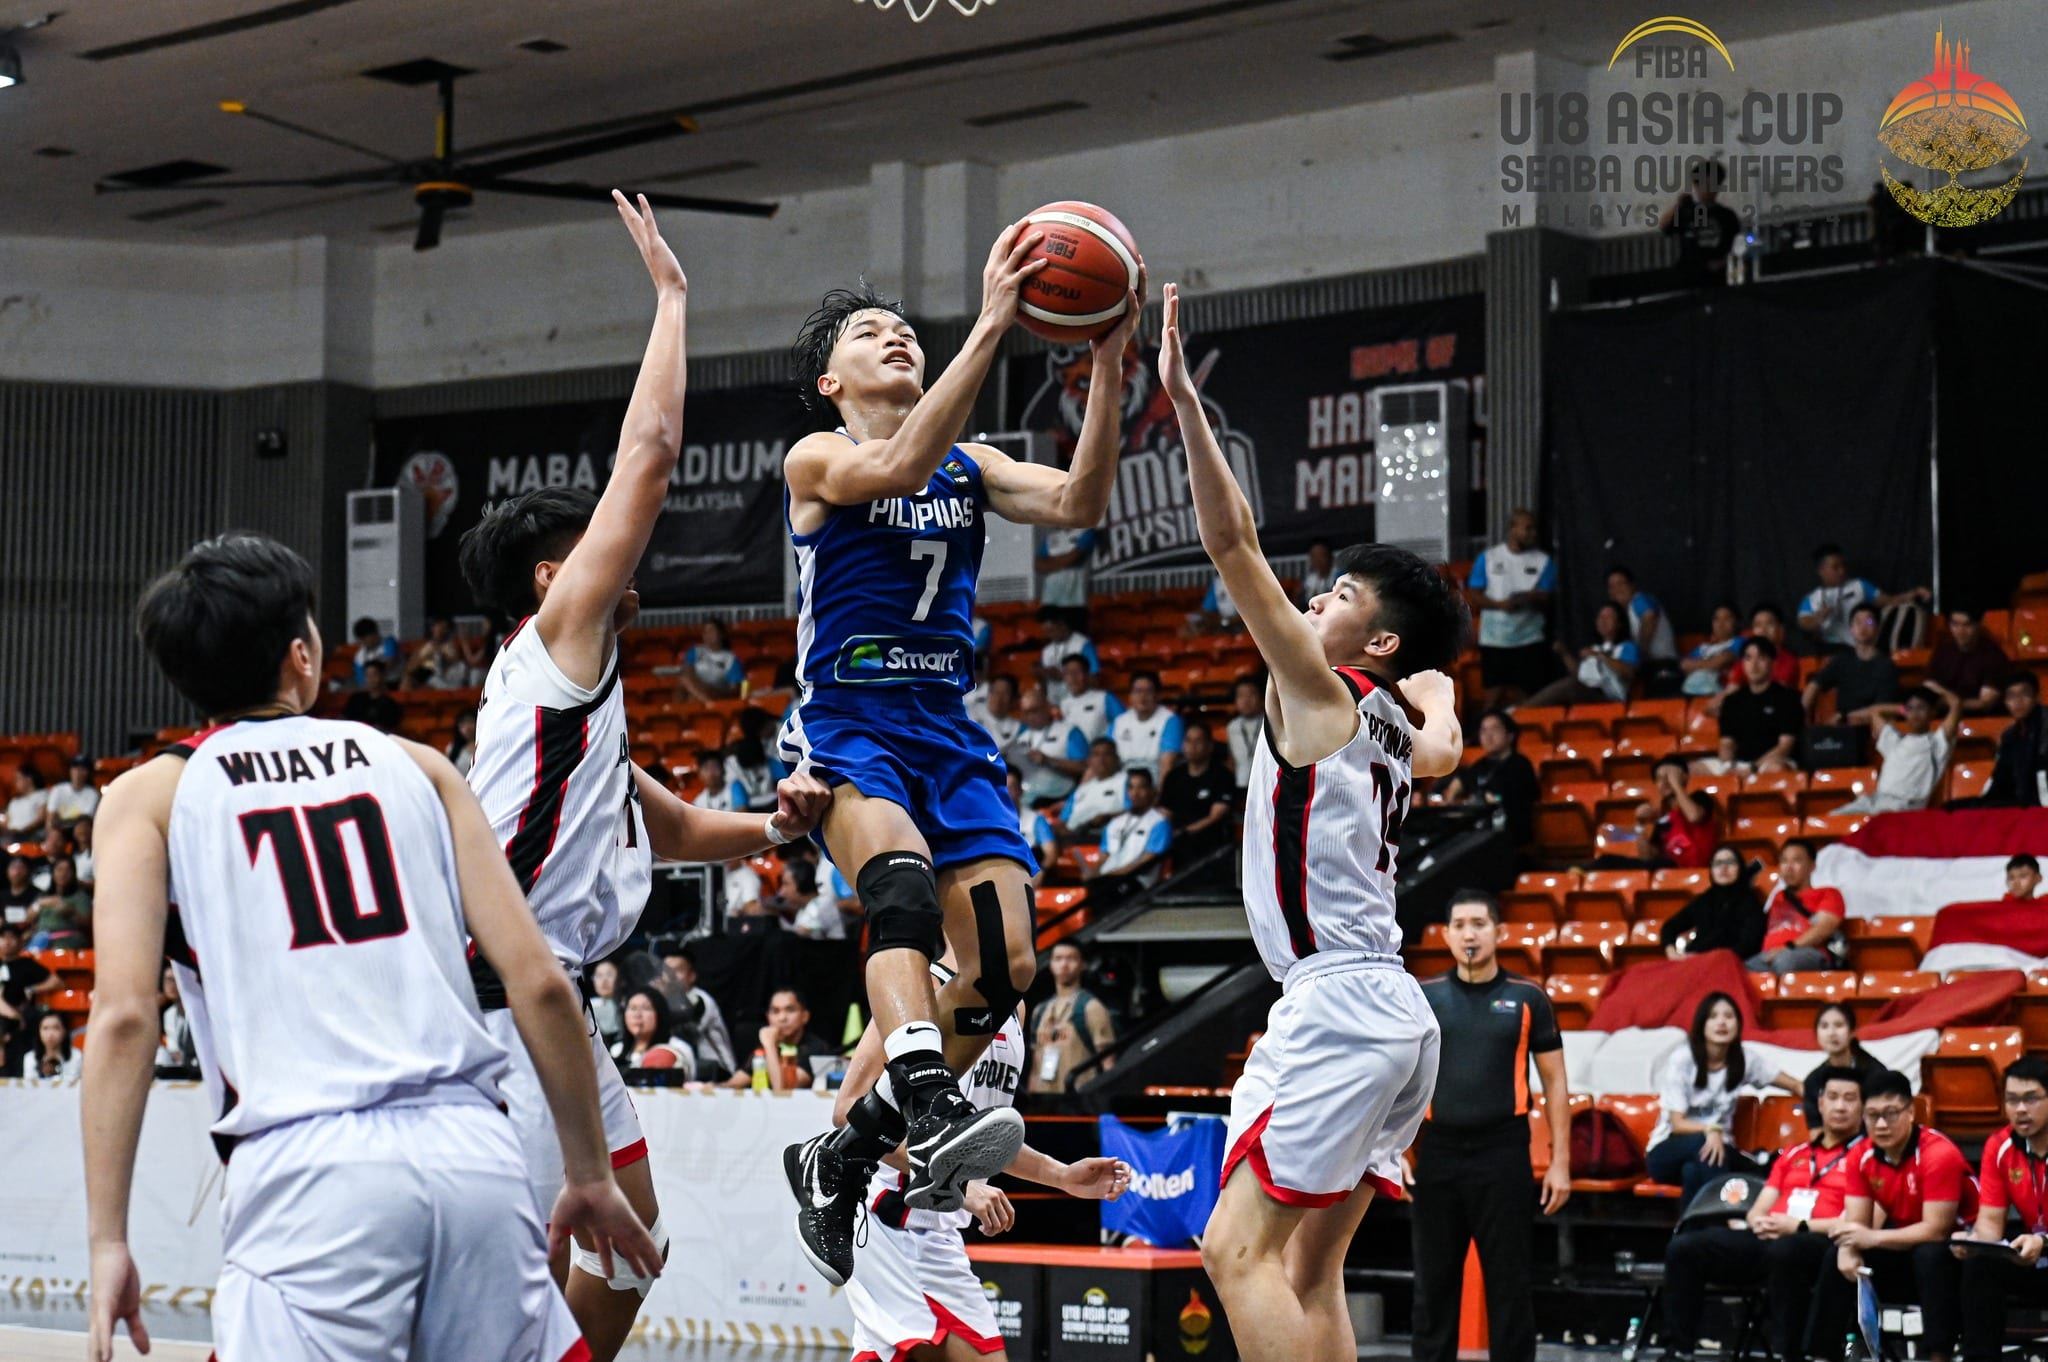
x=1092, y=267
x=659, y=1057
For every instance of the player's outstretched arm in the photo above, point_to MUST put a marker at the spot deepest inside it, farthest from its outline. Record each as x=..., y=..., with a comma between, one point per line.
x=1316, y=713
x=822, y=468
x=549, y=1014
x=1099, y=1179
x=577, y=613
x=1035, y=494
x=132, y=889
x=679, y=831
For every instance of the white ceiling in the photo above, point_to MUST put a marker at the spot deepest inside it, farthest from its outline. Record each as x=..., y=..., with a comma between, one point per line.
x=631, y=61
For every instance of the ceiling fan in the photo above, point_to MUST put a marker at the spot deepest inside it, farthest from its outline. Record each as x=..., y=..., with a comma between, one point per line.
x=442, y=182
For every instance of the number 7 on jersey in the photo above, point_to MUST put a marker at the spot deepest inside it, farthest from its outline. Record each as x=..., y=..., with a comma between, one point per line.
x=934, y=549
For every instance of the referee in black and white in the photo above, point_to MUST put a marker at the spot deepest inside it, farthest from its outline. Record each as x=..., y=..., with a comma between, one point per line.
x=1472, y=1180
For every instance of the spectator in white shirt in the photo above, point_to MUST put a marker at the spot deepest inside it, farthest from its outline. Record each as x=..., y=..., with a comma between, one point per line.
x=27, y=810
x=1050, y=752
x=1037, y=829
x=1083, y=703
x=461, y=751
x=711, y=669
x=696, y=1013
x=1320, y=576
x=1509, y=588
x=721, y=794
x=1134, y=843
x=1829, y=607
x=1099, y=797
x=174, y=1050
x=76, y=798
x=820, y=917
x=1648, y=624
x=81, y=856
x=1062, y=641
x=742, y=891
x=605, y=1010
x=1914, y=759
x=55, y=846
x=1063, y=565
x=1247, y=721
x=999, y=717
x=1147, y=736
x=53, y=1056
x=437, y=663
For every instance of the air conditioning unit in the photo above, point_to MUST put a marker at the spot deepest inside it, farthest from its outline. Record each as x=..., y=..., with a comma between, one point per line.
x=1421, y=467
x=387, y=542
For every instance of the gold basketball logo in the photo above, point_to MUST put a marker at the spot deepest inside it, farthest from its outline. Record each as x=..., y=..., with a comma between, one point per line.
x=1948, y=121
x=1195, y=1320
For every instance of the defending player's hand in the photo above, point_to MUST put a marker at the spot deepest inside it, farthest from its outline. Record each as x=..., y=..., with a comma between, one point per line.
x=989, y=1206
x=116, y=1299
x=1098, y=1179
x=661, y=261
x=800, y=801
x=1112, y=345
x=1009, y=265
x=601, y=1211
x=1173, y=359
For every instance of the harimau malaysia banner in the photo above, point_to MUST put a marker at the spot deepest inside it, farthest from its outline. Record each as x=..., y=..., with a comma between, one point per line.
x=1289, y=402
x=719, y=541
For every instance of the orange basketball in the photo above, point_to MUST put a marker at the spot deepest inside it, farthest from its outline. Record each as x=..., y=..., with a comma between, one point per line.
x=660, y=1057
x=1093, y=266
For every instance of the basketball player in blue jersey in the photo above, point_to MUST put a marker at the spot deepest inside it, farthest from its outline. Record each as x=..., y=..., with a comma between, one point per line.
x=886, y=515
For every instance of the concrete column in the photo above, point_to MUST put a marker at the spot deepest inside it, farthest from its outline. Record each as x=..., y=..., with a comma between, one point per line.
x=896, y=228
x=961, y=219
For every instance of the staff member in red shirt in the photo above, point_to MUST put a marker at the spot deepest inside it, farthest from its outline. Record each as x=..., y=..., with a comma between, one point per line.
x=2015, y=1179
x=1923, y=1186
x=1785, y=1238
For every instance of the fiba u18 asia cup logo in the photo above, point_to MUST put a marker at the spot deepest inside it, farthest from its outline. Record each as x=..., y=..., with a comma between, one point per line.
x=1948, y=121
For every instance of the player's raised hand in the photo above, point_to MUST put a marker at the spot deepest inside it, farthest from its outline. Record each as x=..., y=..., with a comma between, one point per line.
x=1112, y=345
x=1009, y=265
x=1098, y=1179
x=1432, y=692
x=800, y=801
x=989, y=1206
x=116, y=1299
x=1173, y=358
x=661, y=261
x=601, y=1211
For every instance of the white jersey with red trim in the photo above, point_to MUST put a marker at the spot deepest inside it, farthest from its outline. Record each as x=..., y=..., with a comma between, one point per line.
x=554, y=772
x=316, y=926
x=1321, y=842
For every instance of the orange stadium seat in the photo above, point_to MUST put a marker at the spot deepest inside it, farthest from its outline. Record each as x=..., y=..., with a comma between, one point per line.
x=1564, y=820
x=2030, y=1013
x=1779, y=1121
x=1522, y=946
x=1963, y=1077
x=1968, y=779
x=1876, y=988
x=1636, y=1111
x=1538, y=896
x=1803, y=993
x=1889, y=943
x=70, y=1001
x=1429, y=956
x=1573, y=998
x=1584, y=947
x=1645, y=943
x=1773, y=794
x=1539, y=719
x=1667, y=715
x=1606, y=895
x=1831, y=787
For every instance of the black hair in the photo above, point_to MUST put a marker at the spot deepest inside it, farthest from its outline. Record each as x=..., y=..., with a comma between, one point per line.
x=793, y=992
x=1826, y=551
x=810, y=356
x=1004, y=677
x=1507, y=721
x=220, y=623
x=1081, y=658
x=2026, y=679
x=35, y=777
x=1110, y=743
x=1924, y=696
x=78, y=761
x=1887, y=1083
x=1866, y=608
x=1143, y=773
x=2027, y=1069
x=1417, y=604
x=498, y=553
x=1696, y=1038
x=1848, y=1015
x=1767, y=649
x=1811, y=853
x=1973, y=616
x=2024, y=858
x=1478, y=896
x=664, y=1018
x=1055, y=612
x=1770, y=608
x=1315, y=544
x=1861, y=1059
x=724, y=632
x=363, y=625
x=1254, y=680
x=1620, y=569
x=63, y=1047
x=1074, y=945
x=10, y=929
x=1671, y=759
x=1840, y=1073
x=379, y=663
x=1145, y=674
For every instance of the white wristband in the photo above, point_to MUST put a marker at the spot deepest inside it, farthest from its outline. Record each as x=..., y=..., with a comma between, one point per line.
x=775, y=837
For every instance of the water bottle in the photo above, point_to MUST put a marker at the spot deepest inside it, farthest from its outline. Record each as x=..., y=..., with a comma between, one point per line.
x=1633, y=1339
x=761, y=1083
x=1849, y=1349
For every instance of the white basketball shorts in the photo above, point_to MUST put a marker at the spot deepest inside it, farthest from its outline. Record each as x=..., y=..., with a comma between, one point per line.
x=534, y=1124
x=914, y=1287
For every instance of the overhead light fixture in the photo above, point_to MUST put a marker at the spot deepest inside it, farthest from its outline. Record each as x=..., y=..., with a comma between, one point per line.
x=10, y=67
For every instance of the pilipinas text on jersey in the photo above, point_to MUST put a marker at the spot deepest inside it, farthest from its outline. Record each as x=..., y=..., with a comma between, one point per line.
x=554, y=773
x=316, y=925
x=1322, y=842
x=886, y=587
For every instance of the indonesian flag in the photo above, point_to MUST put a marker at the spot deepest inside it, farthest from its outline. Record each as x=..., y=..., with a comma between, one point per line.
x=1916, y=864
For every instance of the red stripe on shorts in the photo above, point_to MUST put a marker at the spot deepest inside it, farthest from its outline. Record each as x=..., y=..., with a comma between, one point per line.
x=1250, y=1148
x=632, y=1153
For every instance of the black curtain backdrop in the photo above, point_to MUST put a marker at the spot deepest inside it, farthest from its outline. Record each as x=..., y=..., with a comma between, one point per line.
x=1711, y=442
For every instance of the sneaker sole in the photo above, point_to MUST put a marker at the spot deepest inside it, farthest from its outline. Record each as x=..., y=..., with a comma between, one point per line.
x=823, y=1268
x=982, y=1150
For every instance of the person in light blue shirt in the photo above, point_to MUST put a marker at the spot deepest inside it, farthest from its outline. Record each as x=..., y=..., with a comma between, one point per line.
x=1708, y=664
x=1509, y=589
x=1648, y=624
x=711, y=670
x=1037, y=829
x=1148, y=736
x=1606, y=668
x=370, y=642
x=720, y=794
x=1829, y=608
x=1134, y=843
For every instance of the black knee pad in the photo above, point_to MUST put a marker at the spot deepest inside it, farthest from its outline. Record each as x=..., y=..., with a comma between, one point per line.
x=901, y=897
x=1000, y=995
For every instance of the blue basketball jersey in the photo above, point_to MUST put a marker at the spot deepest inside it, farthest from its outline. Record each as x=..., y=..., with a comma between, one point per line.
x=887, y=587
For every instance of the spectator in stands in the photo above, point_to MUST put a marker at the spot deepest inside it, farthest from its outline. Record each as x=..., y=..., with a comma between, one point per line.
x=1069, y=1028
x=18, y=896
x=1098, y=798
x=1802, y=923
x=2011, y=1181
x=720, y=793
x=1767, y=621
x=1924, y=1186
x=1037, y=829
x=2019, y=773
x=1648, y=624
x=81, y=853
x=1063, y=569
x=1711, y=660
x=1834, y=1035
x=53, y=1056
x=77, y=797
x=1083, y=703
x=55, y=844
x=174, y=1050
x=1247, y=720
x=477, y=651
x=787, y=1044
x=999, y=713
x=819, y=910
x=63, y=918
x=698, y=1013
x=371, y=643
x=1606, y=669
x=1861, y=674
x=28, y=809
x=749, y=764
x=1827, y=610
x=1697, y=1087
x=1197, y=796
x=1062, y=641
x=711, y=669
x=743, y=893
x=1761, y=719
x=1785, y=1239
x=1502, y=776
x=437, y=663
x=461, y=749
x=1147, y=735
x=1509, y=589
x=605, y=1012
x=1724, y=916
x=2022, y=878
x=1051, y=752
x=1707, y=230
x=1135, y=843
x=1320, y=575
x=649, y=1039
x=373, y=704
x=22, y=981
x=1679, y=828
x=1913, y=759
x=1217, y=613
x=1970, y=663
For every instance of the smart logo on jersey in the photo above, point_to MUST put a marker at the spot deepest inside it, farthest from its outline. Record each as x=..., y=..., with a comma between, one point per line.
x=872, y=660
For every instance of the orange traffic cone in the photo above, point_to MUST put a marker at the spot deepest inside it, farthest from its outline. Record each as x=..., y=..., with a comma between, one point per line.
x=1472, y=1337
